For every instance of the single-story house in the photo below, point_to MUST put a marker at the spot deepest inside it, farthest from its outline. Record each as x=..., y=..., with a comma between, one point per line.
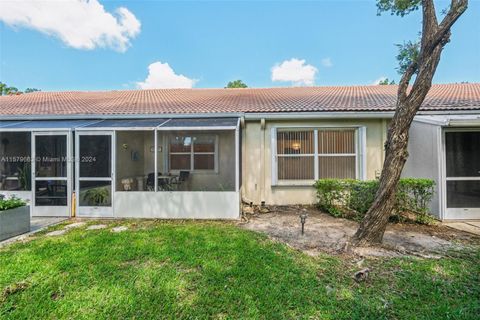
x=197, y=153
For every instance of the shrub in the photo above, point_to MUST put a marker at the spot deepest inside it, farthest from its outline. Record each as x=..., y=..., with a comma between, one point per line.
x=10, y=202
x=352, y=198
x=413, y=196
x=332, y=195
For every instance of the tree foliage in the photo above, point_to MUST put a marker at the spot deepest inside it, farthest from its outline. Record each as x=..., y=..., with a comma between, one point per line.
x=386, y=81
x=407, y=54
x=398, y=7
x=6, y=90
x=236, y=84
x=29, y=90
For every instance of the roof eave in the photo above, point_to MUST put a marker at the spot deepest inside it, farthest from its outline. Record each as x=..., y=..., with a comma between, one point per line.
x=246, y=115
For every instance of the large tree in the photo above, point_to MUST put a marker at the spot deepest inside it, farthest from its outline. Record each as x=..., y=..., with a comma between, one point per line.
x=418, y=61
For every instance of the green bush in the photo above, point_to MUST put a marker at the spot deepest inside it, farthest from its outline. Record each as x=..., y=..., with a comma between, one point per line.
x=11, y=203
x=352, y=198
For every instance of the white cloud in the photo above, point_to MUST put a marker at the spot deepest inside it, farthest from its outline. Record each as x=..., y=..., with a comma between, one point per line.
x=377, y=82
x=81, y=24
x=295, y=71
x=327, y=62
x=161, y=75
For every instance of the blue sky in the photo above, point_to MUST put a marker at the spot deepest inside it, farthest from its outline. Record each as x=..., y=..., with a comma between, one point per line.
x=211, y=43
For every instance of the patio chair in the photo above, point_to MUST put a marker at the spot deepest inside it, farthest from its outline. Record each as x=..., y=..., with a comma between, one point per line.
x=164, y=184
x=182, y=179
x=151, y=181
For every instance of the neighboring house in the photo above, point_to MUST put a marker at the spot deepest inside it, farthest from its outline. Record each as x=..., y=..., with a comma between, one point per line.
x=196, y=153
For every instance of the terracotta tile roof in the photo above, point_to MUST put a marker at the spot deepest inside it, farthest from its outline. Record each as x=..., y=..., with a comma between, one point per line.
x=187, y=101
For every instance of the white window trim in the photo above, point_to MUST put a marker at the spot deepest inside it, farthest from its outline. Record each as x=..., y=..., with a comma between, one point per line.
x=360, y=154
x=192, y=154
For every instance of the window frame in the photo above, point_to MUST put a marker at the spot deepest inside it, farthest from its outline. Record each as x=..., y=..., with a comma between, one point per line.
x=18, y=159
x=192, y=154
x=360, y=153
x=297, y=155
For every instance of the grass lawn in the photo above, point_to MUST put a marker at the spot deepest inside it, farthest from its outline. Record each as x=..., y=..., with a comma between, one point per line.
x=217, y=270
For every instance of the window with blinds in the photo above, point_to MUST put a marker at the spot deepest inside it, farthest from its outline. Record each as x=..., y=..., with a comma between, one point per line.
x=316, y=154
x=295, y=155
x=337, y=157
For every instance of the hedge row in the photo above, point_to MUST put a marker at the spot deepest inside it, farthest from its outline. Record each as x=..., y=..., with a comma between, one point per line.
x=352, y=198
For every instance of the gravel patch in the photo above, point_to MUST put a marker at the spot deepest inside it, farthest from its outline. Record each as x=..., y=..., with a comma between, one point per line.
x=324, y=233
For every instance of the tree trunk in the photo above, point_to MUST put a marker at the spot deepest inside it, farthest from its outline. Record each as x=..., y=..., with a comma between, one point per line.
x=434, y=37
x=373, y=226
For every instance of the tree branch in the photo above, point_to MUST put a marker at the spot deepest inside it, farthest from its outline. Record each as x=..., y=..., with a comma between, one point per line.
x=405, y=81
x=434, y=38
x=442, y=34
x=457, y=8
x=429, y=18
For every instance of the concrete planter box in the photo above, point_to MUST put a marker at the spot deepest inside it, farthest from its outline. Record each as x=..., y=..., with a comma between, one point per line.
x=14, y=222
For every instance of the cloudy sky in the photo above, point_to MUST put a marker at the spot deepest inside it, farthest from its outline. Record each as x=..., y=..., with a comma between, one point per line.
x=104, y=45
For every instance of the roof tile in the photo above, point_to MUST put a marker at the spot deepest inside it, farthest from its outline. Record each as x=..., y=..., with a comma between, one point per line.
x=187, y=101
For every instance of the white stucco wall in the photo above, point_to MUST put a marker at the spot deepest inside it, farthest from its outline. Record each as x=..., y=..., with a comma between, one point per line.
x=257, y=168
x=177, y=205
x=424, y=160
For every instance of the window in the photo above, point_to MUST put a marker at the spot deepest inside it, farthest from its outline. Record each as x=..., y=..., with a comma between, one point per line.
x=336, y=154
x=295, y=155
x=310, y=154
x=192, y=153
x=15, y=165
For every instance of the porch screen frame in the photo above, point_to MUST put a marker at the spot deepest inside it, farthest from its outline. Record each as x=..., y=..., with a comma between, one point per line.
x=45, y=210
x=360, y=153
x=109, y=211
x=33, y=131
x=164, y=127
x=453, y=212
x=205, y=129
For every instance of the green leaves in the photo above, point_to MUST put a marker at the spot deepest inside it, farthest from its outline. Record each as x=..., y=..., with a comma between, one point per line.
x=5, y=90
x=352, y=198
x=96, y=196
x=386, y=81
x=28, y=90
x=397, y=7
x=236, y=84
x=11, y=203
x=408, y=53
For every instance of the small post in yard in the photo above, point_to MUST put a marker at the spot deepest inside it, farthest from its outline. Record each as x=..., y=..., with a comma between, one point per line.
x=303, y=218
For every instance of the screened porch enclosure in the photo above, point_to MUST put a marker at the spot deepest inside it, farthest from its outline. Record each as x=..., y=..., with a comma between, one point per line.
x=186, y=161
x=159, y=168
x=165, y=168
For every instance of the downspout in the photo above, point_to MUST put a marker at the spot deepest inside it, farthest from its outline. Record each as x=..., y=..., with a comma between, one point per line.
x=262, y=160
x=243, y=155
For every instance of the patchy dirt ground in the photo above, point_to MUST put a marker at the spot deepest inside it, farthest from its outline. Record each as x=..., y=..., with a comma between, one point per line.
x=324, y=233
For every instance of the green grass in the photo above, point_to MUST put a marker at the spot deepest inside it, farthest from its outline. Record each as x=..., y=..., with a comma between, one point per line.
x=216, y=270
